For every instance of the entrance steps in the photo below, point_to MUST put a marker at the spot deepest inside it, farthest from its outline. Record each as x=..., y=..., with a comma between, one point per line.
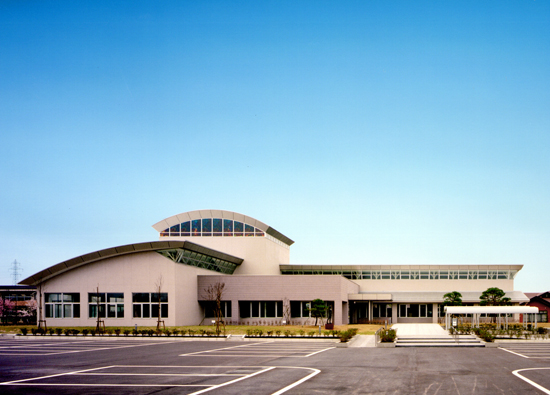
x=431, y=335
x=439, y=341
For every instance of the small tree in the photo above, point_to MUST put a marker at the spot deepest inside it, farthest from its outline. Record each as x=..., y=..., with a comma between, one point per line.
x=286, y=311
x=40, y=290
x=6, y=309
x=214, y=293
x=158, y=288
x=494, y=297
x=452, y=299
x=318, y=309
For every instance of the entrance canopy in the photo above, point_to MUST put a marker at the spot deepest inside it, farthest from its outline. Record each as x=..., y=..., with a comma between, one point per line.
x=476, y=311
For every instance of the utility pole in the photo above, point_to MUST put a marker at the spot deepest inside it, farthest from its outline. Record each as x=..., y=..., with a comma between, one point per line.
x=15, y=271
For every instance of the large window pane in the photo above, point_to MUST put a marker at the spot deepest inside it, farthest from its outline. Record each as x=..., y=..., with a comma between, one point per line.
x=207, y=227
x=140, y=298
x=137, y=311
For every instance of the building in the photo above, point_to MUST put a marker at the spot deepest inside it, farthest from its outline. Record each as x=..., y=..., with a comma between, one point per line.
x=542, y=301
x=17, y=304
x=130, y=284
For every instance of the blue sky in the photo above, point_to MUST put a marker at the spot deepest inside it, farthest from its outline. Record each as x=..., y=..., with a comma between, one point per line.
x=368, y=132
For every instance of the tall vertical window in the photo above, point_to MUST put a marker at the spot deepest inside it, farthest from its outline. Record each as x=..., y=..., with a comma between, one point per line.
x=108, y=304
x=62, y=305
x=146, y=305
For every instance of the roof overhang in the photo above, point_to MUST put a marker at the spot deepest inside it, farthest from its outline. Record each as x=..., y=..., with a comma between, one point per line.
x=127, y=249
x=491, y=309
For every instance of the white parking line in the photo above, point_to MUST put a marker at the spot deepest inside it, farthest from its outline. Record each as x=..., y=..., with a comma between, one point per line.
x=37, y=348
x=217, y=349
x=232, y=381
x=296, y=383
x=512, y=352
x=259, y=350
x=540, y=387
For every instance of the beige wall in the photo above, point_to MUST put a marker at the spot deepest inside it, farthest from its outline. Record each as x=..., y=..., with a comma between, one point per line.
x=132, y=273
x=277, y=288
x=261, y=255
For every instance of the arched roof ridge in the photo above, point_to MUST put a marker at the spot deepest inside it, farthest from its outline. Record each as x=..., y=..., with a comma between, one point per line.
x=198, y=214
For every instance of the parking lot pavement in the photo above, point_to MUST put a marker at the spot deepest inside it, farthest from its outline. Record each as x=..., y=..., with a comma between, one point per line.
x=184, y=379
x=145, y=367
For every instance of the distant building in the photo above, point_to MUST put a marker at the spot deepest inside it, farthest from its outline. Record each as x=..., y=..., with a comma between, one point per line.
x=542, y=301
x=17, y=304
x=130, y=284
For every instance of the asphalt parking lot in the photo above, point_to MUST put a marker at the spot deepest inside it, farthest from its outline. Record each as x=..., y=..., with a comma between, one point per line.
x=145, y=366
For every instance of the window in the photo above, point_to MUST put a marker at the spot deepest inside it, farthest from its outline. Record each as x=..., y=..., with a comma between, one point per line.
x=415, y=310
x=62, y=305
x=212, y=227
x=260, y=309
x=146, y=305
x=210, y=308
x=109, y=304
x=299, y=309
x=381, y=310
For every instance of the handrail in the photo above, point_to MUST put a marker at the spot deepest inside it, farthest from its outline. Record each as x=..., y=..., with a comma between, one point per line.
x=377, y=335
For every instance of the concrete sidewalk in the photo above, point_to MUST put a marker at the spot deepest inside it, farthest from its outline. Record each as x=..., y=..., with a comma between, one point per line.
x=420, y=330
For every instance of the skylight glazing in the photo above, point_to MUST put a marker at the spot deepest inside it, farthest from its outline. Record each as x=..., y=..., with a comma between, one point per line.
x=196, y=259
x=212, y=227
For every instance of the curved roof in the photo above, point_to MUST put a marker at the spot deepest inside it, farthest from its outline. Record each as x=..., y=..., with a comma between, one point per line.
x=198, y=214
x=81, y=260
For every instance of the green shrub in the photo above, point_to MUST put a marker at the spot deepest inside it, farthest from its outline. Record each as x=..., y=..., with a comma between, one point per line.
x=278, y=332
x=117, y=331
x=287, y=333
x=301, y=332
x=58, y=331
x=50, y=331
x=311, y=333
x=24, y=331
x=85, y=332
x=67, y=331
x=388, y=335
x=126, y=332
x=191, y=332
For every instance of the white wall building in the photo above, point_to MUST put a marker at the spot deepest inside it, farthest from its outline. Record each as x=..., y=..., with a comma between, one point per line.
x=200, y=248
